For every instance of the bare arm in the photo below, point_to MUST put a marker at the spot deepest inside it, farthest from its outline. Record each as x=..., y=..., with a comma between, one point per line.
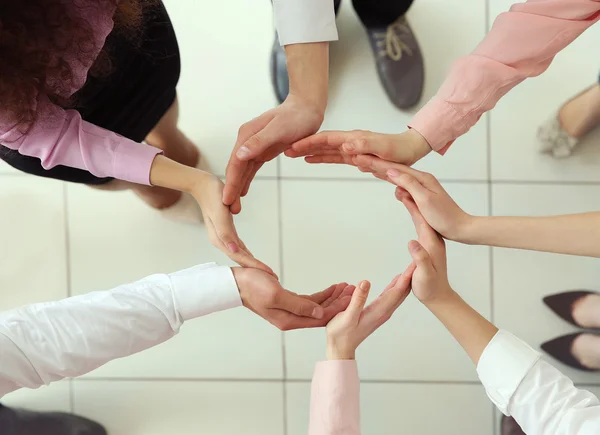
x=575, y=234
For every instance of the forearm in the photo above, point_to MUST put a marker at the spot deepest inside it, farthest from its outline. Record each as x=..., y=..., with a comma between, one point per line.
x=46, y=342
x=469, y=328
x=308, y=69
x=577, y=234
x=172, y=175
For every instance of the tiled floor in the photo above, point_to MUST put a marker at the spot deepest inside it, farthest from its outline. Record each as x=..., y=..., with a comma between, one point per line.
x=232, y=373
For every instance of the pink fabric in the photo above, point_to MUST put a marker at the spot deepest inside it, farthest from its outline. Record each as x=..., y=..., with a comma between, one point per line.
x=335, y=399
x=522, y=43
x=61, y=137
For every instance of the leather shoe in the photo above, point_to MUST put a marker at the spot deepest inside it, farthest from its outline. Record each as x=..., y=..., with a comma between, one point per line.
x=399, y=62
x=21, y=422
x=279, y=73
x=561, y=349
x=562, y=304
x=509, y=426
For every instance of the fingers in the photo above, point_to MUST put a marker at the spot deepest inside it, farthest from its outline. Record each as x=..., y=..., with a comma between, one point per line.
x=250, y=174
x=295, y=304
x=329, y=293
x=318, y=143
x=234, y=176
x=421, y=257
x=260, y=141
x=410, y=184
x=384, y=306
x=425, y=233
x=358, y=301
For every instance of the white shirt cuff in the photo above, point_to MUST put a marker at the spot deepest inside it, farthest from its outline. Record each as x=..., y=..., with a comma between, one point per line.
x=304, y=21
x=204, y=289
x=503, y=365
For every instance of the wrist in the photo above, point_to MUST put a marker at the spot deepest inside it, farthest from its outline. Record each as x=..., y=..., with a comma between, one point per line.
x=420, y=146
x=308, y=70
x=443, y=300
x=470, y=229
x=238, y=274
x=339, y=353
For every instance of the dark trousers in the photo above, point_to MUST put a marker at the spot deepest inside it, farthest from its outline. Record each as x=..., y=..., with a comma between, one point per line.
x=378, y=13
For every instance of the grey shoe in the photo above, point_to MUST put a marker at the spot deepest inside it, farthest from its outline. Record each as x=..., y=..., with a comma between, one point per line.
x=399, y=62
x=554, y=140
x=20, y=422
x=279, y=72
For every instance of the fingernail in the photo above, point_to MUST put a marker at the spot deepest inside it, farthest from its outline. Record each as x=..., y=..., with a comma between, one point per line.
x=363, y=286
x=349, y=147
x=233, y=247
x=393, y=172
x=243, y=152
x=317, y=313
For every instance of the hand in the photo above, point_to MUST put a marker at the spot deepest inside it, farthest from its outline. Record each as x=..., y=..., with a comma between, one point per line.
x=438, y=208
x=430, y=279
x=351, y=327
x=208, y=192
x=344, y=146
x=263, y=139
x=264, y=295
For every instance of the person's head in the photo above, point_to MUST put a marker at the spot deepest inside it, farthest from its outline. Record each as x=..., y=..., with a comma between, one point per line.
x=41, y=41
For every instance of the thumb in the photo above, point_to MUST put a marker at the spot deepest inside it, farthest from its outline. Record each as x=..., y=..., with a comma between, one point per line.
x=259, y=142
x=421, y=257
x=358, y=301
x=295, y=304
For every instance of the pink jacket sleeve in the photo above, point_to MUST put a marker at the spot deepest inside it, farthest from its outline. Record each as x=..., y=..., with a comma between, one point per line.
x=522, y=43
x=335, y=399
x=61, y=137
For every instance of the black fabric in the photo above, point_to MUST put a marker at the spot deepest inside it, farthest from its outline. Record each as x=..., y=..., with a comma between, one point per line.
x=131, y=100
x=380, y=13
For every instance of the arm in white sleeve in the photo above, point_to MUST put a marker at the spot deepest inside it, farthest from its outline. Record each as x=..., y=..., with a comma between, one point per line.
x=43, y=343
x=304, y=21
x=539, y=397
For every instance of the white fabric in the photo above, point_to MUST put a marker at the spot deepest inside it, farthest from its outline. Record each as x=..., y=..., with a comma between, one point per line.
x=46, y=342
x=304, y=21
x=539, y=397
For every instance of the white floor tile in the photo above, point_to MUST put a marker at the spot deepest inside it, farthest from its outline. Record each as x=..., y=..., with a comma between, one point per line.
x=523, y=278
x=225, y=78
x=516, y=118
x=347, y=231
x=357, y=99
x=33, y=263
x=7, y=169
x=55, y=397
x=183, y=408
x=426, y=409
x=115, y=238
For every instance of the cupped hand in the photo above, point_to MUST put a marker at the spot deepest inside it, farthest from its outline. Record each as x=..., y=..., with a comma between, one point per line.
x=219, y=223
x=343, y=146
x=351, y=327
x=264, y=295
x=430, y=278
x=263, y=139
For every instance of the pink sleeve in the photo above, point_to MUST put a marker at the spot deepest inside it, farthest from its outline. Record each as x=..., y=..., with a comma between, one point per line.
x=61, y=137
x=522, y=43
x=335, y=399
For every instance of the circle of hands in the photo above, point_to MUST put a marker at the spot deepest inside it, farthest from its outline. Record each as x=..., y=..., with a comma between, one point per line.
x=291, y=128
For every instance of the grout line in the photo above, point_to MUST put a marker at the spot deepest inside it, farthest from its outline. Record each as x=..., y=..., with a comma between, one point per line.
x=281, y=277
x=67, y=237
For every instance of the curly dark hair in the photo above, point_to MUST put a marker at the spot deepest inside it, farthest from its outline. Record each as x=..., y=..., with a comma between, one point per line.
x=41, y=40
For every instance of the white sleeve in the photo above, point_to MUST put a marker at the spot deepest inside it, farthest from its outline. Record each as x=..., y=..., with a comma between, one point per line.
x=539, y=397
x=46, y=342
x=303, y=21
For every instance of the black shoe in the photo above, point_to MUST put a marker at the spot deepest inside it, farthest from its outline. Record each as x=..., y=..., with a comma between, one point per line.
x=399, y=62
x=562, y=304
x=21, y=422
x=279, y=72
x=561, y=349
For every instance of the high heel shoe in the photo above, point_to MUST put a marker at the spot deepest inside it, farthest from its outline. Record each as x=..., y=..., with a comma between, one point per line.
x=562, y=304
x=561, y=349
